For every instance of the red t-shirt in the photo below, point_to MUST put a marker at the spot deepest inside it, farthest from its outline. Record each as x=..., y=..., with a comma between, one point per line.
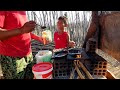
x=18, y=46
x=60, y=40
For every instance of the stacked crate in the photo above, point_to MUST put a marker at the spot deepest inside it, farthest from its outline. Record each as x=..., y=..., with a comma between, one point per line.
x=62, y=68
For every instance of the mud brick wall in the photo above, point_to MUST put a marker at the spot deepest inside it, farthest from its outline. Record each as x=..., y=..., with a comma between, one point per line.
x=109, y=32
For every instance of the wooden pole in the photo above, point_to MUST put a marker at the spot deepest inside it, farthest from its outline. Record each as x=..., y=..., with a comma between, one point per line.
x=85, y=70
x=78, y=71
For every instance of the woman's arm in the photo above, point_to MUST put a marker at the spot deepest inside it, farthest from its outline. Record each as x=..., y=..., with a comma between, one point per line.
x=4, y=34
x=70, y=44
x=26, y=28
x=38, y=38
x=68, y=40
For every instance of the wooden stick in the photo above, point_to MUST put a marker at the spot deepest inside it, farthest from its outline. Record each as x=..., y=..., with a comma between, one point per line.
x=85, y=70
x=72, y=74
x=78, y=71
x=110, y=75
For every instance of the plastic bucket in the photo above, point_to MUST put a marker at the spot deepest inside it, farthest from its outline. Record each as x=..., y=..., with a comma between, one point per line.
x=42, y=70
x=43, y=56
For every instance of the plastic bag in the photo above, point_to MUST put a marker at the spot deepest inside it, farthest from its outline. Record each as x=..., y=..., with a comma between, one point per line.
x=43, y=56
x=47, y=35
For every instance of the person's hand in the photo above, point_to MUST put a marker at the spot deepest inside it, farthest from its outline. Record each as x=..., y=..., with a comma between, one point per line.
x=45, y=40
x=28, y=27
x=72, y=44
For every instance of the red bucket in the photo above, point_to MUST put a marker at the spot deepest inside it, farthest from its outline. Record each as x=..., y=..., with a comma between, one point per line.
x=42, y=70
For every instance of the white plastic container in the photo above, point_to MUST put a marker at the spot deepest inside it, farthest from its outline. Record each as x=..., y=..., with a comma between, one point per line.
x=43, y=56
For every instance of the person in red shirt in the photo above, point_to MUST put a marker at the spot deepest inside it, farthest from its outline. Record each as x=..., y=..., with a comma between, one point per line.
x=15, y=44
x=61, y=37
